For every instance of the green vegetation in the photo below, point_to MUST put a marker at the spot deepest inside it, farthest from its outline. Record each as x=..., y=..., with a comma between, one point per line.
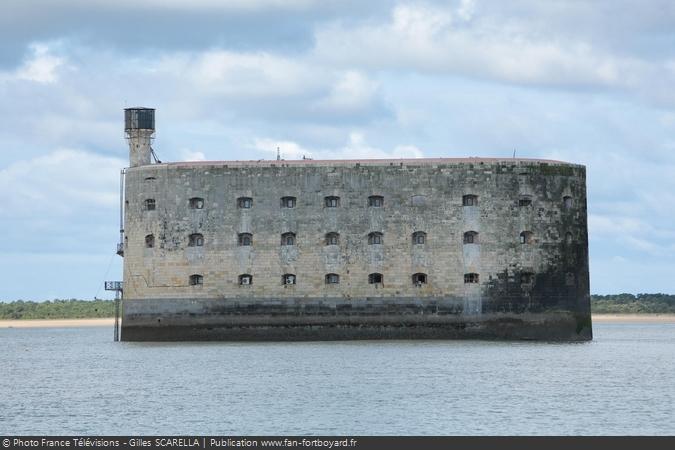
x=633, y=304
x=86, y=309
x=57, y=309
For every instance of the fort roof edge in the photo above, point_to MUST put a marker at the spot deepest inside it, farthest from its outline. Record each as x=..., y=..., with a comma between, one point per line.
x=367, y=162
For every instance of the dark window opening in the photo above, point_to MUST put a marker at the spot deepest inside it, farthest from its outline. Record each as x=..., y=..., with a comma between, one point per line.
x=375, y=238
x=332, y=202
x=288, y=239
x=419, y=237
x=470, y=200
x=419, y=279
x=526, y=237
x=471, y=237
x=196, y=280
x=375, y=278
x=245, y=239
x=287, y=279
x=288, y=202
x=196, y=203
x=244, y=202
x=526, y=278
x=376, y=201
x=332, y=278
x=568, y=202
x=245, y=279
x=525, y=200
x=150, y=204
x=150, y=240
x=568, y=238
x=470, y=278
x=569, y=279
x=195, y=240
x=332, y=239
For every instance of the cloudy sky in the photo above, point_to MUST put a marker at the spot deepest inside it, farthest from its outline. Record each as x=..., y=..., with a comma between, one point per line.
x=591, y=82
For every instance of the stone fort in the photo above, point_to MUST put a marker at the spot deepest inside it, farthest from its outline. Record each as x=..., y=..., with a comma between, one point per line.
x=352, y=249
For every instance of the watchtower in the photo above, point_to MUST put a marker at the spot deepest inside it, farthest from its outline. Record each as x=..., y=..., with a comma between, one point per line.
x=139, y=128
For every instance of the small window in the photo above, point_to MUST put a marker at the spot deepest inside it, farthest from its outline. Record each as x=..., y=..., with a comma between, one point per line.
x=288, y=202
x=244, y=202
x=419, y=237
x=568, y=202
x=375, y=238
x=196, y=280
x=375, y=278
x=245, y=279
x=470, y=278
x=526, y=237
x=332, y=239
x=150, y=204
x=568, y=238
x=332, y=202
x=470, y=200
x=197, y=203
x=526, y=278
x=288, y=279
x=376, y=201
x=569, y=279
x=195, y=240
x=525, y=200
x=418, y=200
x=471, y=237
x=245, y=239
x=288, y=239
x=419, y=279
x=150, y=240
x=332, y=278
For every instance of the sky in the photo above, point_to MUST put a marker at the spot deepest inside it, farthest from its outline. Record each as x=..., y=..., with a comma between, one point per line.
x=589, y=82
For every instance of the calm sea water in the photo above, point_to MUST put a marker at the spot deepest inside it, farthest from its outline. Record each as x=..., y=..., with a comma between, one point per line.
x=72, y=381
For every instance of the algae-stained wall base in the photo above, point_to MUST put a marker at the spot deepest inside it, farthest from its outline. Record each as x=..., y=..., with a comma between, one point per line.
x=370, y=249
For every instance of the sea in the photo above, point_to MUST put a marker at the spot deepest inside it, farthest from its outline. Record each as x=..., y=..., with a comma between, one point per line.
x=72, y=381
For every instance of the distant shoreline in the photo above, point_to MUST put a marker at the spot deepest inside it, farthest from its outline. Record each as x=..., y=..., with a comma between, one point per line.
x=109, y=321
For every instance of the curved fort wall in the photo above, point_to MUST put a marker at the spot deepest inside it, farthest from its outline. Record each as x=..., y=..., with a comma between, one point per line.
x=356, y=249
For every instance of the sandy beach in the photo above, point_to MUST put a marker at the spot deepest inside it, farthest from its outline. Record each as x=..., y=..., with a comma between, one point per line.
x=108, y=322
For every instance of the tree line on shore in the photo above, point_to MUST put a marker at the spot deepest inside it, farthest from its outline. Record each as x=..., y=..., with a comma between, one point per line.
x=87, y=309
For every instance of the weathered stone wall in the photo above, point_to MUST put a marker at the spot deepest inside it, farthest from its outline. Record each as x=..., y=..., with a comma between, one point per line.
x=550, y=272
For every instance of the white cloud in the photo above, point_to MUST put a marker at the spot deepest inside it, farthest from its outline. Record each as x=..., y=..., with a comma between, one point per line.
x=191, y=155
x=41, y=67
x=432, y=39
x=356, y=148
x=61, y=183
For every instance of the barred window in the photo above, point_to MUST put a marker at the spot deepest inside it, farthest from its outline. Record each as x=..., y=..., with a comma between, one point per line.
x=150, y=240
x=332, y=278
x=150, y=204
x=195, y=240
x=375, y=278
x=196, y=203
x=525, y=200
x=245, y=239
x=470, y=200
x=376, y=201
x=196, y=280
x=288, y=239
x=470, y=278
x=419, y=237
x=332, y=201
x=288, y=202
x=332, y=239
x=244, y=202
x=245, y=279
x=419, y=279
x=526, y=237
x=471, y=237
x=288, y=279
x=375, y=238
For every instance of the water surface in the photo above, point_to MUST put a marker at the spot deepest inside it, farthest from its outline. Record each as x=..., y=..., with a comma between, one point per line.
x=77, y=381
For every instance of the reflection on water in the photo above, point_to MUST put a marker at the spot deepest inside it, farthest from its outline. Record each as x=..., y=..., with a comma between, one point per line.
x=69, y=381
